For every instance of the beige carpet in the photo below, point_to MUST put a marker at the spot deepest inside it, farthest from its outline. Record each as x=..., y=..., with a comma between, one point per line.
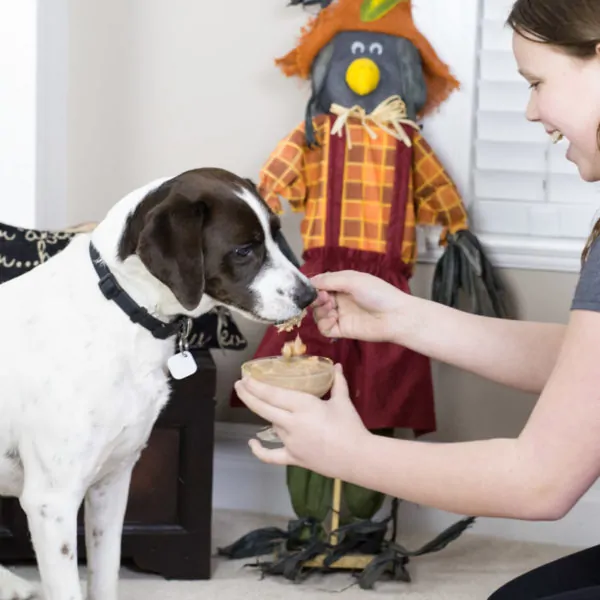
x=469, y=569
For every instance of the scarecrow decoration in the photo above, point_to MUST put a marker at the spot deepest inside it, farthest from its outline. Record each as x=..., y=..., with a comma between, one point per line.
x=364, y=176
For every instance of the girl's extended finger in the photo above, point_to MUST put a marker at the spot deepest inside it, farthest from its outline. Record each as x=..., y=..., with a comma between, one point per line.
x=340, y=385
x=322, y=299
x=333, y=282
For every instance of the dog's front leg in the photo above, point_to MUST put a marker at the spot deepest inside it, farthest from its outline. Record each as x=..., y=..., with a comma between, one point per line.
x=105, y=506
x=52, y=520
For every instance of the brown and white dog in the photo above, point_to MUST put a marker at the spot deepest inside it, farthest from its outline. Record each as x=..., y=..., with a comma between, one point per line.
x=81, y=384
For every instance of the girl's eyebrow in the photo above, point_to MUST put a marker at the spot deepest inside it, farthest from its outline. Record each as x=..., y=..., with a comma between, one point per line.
x=527, y=74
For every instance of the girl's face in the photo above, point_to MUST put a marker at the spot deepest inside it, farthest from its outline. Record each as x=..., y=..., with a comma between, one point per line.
x=565, y=98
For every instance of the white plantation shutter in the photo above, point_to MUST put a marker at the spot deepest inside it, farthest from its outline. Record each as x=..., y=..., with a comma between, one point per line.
x=525, y=194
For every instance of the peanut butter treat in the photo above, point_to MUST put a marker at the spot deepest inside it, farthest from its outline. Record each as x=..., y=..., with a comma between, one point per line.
x=295, y=348
x=291, y=323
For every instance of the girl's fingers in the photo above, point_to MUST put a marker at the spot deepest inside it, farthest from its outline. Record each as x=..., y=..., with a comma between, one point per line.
x=270, y=413
x=275, y=456
x=322, y=299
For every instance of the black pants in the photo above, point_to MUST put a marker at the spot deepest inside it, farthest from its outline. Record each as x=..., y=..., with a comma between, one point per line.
x=575, y=577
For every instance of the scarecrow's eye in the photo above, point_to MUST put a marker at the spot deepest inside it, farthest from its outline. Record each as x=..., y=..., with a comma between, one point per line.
x=376, y=48
x=358, y=48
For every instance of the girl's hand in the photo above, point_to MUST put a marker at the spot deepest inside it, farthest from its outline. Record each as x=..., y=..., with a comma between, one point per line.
x=319, y=435
x=359, y=306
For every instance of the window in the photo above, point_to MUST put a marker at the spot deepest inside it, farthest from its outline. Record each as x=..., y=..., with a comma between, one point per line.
x=527, y=200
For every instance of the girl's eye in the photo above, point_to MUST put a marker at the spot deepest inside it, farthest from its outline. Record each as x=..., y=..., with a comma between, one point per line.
x=533, y=86
x=244, y=251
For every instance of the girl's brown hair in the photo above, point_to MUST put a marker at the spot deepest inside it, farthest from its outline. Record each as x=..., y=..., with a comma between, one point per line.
x=571, y=25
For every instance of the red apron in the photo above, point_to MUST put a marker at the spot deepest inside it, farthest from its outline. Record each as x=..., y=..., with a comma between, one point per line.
x=391, y=386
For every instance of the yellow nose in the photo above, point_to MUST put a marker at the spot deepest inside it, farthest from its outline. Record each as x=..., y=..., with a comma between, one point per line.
x=363, y=76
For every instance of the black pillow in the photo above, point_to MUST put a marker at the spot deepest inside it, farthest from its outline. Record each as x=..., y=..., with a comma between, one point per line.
x=23, y=249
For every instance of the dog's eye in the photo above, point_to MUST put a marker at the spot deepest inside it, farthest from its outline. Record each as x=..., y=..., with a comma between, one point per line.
x=244, y=251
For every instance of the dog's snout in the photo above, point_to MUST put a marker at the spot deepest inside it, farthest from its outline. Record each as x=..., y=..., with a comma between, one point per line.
x=305, y=295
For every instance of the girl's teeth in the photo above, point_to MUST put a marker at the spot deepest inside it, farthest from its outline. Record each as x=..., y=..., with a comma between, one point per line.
x=556, y=137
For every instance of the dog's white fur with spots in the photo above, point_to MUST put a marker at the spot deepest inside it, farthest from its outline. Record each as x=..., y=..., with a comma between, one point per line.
x=81, y=386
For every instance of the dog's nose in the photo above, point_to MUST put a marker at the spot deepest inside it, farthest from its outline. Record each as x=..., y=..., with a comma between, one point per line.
x=305, y=295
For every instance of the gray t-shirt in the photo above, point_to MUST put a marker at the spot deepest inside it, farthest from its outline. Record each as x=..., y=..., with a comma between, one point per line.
x=587, y=292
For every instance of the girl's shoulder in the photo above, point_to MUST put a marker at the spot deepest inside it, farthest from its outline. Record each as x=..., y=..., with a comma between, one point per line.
x=587, y=292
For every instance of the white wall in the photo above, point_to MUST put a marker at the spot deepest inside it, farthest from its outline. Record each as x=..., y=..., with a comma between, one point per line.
x=98, y=143
x=157, y=88
x=453, y=34
x=52, y=109
x=33, y=112
x=160, y=87
x=18, y=106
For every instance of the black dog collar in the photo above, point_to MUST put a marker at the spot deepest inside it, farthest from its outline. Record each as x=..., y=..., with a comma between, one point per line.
x=113, y=291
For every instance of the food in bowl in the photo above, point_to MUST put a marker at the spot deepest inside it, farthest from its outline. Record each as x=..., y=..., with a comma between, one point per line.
x=293, y=370
x=309, y=374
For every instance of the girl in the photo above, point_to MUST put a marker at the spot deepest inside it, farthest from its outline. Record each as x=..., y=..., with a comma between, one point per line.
x=543, y=473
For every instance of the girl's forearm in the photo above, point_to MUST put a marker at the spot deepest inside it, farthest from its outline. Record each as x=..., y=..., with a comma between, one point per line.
x=484, y=478
x=518, y=354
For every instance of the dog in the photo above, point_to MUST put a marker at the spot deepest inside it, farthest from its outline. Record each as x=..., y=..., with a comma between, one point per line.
x=87, y=352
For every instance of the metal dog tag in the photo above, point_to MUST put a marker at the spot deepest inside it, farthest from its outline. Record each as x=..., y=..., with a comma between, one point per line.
x=182, y=365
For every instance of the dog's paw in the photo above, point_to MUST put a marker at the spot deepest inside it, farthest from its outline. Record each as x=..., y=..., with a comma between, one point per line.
x=15, y=588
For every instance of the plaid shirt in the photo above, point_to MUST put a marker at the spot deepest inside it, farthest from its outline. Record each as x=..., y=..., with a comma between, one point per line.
x=299, y=174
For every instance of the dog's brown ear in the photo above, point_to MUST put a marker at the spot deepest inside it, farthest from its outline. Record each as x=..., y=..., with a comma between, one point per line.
x=170, y=246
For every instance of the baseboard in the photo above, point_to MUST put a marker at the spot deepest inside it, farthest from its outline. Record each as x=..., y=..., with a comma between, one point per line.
x=241, y=482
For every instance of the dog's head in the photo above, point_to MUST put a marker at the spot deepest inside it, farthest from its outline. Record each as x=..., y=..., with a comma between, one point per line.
x=208, y=233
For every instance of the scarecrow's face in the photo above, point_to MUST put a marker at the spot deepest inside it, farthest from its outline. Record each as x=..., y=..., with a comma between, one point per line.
x=363, y=68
